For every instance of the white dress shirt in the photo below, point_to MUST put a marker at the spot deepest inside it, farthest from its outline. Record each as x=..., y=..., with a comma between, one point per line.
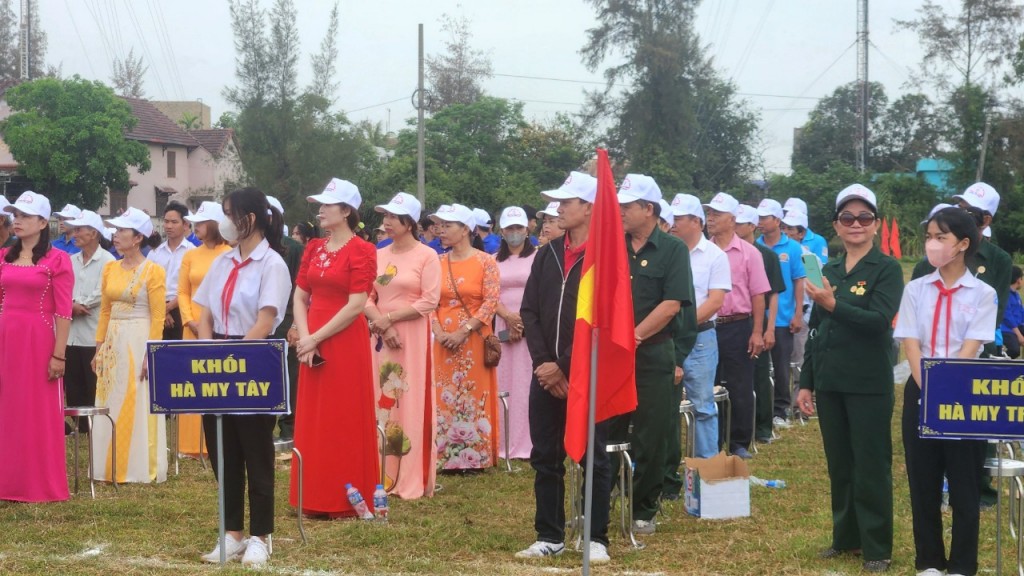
x=171, y=261
x=710, y=267
x=87, y=292
x=973, y=314
x=263, y=282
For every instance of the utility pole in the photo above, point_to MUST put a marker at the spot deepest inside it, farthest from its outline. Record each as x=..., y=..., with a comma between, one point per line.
x=980, y=172
x=26, y=35
x=421, y=181
x=862, y=84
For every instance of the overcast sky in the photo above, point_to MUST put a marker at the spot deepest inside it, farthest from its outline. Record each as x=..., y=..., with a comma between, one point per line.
x=782, y=54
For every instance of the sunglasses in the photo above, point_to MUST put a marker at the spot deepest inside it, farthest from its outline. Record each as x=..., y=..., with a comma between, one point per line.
x=864, y=219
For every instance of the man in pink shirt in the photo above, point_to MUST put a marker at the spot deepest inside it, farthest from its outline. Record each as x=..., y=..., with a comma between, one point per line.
x=740, y=319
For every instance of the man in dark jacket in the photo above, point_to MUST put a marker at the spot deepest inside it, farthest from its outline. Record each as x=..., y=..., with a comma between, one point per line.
x=549, y=317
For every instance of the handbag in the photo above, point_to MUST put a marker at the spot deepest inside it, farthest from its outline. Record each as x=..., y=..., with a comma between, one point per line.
x=492, y=346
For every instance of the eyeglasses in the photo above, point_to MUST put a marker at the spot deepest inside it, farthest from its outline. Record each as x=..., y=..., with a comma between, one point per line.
x=864, y=219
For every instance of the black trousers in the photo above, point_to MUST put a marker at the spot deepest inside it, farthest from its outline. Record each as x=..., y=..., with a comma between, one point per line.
x=927, y=462
x=79, y=381
x=248, y=451
x=1011, y=345
x=547, y=432
x=174, y=332
x=781, y=354
x=736, y=373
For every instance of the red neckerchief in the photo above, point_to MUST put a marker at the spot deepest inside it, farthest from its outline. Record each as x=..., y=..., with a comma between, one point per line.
x=228, y=292
x=946, y=293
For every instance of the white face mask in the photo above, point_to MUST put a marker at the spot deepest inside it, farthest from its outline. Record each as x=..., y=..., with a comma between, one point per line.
x=228, y=231
x=515, y=239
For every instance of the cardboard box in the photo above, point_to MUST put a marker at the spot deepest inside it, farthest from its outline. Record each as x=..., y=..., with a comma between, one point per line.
x=717, y=487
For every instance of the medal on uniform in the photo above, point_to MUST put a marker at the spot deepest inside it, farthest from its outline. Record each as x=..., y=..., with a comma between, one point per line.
x=643, y=263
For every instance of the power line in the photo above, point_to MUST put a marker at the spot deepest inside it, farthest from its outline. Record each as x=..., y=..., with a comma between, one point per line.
x=815, y=81
x=80, y=41
x=145, y=46
x=167, y=49
x=402, y=99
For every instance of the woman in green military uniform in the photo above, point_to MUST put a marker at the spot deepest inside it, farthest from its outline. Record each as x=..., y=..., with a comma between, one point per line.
x=848, y=368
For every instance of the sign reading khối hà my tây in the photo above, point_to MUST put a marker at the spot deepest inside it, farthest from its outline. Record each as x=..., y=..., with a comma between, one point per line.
x=972, y=399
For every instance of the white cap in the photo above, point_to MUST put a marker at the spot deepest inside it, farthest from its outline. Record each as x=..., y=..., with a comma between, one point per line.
x=981, y=195
x=769, y=207
x=934, y=210
x=639, y=187
x=795, y=218
x=275, y=203
x=4, y=203
x=69, y=211
x=338, y=191
x=135, y=219
x=454, y=213
x=666, y=212
x=403, y=204
x=92, y=220
x=577, y=185
x=208, y=212
x=856, y=192
x=987, y=232
x=746, y=214
x=482, y=217
x=688, y=205
x=513, y=216
x=723, y=202
x=795, y=204
x=31, y=203
x=550, y=210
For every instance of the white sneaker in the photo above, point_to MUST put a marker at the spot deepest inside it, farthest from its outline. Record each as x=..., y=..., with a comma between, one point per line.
x=930, y=572
x=780, y=422
x=233, y=550
x=541, y=549
x=644, y=527
x=256, y=554
x=599, y=553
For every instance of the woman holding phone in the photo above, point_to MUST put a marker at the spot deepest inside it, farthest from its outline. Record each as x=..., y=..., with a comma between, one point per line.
x=334, y=424
x=848, y=369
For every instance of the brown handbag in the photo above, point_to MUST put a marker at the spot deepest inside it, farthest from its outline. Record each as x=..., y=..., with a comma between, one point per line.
x=492, y=346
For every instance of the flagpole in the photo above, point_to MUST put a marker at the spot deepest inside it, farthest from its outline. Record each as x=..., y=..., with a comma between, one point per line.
x=588, y=490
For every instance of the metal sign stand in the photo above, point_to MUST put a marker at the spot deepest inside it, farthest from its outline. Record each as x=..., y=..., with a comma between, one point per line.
x=220, y=487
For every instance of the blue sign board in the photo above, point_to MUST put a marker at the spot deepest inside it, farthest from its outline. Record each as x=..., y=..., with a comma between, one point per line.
x=972, y=399
x=218, y=377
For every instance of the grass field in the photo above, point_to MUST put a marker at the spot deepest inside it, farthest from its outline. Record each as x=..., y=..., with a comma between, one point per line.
x=473, y=526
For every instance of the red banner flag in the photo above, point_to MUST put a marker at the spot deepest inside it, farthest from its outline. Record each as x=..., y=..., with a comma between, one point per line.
x=894, y=240
x=884, y=246
x=605, y=303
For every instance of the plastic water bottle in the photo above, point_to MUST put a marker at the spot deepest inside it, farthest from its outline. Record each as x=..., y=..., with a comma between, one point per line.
x=380, y=504
x=768, y=483
x=357, y=502
x=945, y=494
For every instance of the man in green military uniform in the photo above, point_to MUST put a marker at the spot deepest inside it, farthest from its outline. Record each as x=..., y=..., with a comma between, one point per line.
x=662, y=285
x=746, y=224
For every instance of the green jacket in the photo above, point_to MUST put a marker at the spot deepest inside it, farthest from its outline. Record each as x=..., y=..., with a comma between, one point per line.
x=850, y=349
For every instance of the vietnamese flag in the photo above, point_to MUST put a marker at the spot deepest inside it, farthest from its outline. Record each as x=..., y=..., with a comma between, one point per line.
x=894, y=241
x=885, y=238
x=604, y=305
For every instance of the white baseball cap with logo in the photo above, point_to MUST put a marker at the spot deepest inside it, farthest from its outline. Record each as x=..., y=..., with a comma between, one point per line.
x=482, y=217
x=856, y=192
x=32, y=204
x=454, y=213
x=639, y=187
x=725, y=203
x=69, y=212
x=795, y=218
x=981, y=196
x=403, y=204
x=577, y=185
x=935, y=210
x=274, y=202
x=92, y=220
x=746, y=214
x=666, y=212
x=513, y=216
x=688, y=205
x=4, y=203
x=134, y=219
x=769, y=207
x=550, y=210
x=338, y=191
x=795, y=204
x=208, y=212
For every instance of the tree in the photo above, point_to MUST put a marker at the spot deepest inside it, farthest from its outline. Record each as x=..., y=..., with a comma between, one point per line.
x=912, y=128
x=324, y=63
x=455, y=77
x=128, y=75
x=190, y=121
x=284, y=53
x=676, y=120
x=9, y=39
x=68, y=138
x=251, y=54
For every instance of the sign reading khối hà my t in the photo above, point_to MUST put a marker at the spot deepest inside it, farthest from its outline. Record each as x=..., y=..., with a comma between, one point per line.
x=218, y=377
x=972, y=399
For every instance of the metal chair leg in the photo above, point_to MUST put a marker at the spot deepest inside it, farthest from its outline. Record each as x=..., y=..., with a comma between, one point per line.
x=76, y=419
x=92, y=476
x=302, y=531
x=503, y=398
x=113, y=451
x=383, y=451
x=627, y=505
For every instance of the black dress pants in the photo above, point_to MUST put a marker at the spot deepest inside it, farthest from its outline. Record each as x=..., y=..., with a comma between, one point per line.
x=79, y=381
x=736, y=369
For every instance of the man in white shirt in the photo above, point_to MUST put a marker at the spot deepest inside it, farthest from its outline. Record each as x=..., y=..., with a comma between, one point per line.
x=169, y=255
x=88, y=263
x=711, y=280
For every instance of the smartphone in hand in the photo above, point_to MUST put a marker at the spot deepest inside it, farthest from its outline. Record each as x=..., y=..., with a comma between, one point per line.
x=503, y=336
x=813, y=268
